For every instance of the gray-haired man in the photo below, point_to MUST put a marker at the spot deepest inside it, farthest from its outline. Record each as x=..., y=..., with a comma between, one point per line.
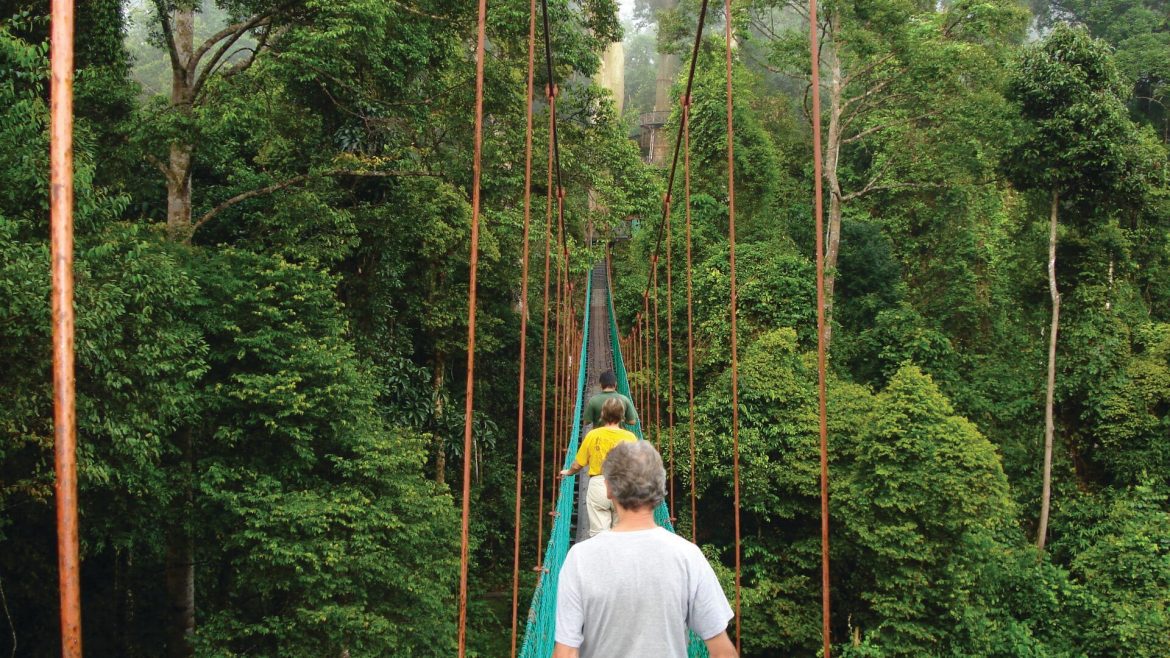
x=635, y=590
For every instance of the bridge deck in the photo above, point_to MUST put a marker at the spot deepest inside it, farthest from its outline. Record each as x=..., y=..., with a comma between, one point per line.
x=600, y=359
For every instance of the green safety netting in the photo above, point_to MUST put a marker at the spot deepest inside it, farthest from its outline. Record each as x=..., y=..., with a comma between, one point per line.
x=540, y=630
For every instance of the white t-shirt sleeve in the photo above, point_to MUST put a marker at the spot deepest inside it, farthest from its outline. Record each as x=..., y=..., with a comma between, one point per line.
x=570, y=629
x=708, y=611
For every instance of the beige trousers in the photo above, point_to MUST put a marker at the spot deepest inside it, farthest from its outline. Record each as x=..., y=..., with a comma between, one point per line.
x=601, y=512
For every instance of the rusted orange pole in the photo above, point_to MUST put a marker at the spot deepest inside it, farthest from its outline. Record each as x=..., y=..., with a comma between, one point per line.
x=734, y=342
x=686, y=120
x=658, y=369
x=544, y=336
x=669, y=360
x=64, y=389
x=464, y=557
x=523, y=322
x=647, y=357
x=635, y=387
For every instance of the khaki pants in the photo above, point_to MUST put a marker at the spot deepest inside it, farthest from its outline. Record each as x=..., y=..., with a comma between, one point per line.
x=601, y=512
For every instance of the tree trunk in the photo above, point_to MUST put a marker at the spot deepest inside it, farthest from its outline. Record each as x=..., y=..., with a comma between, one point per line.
x=179, y=226
x=437, y=382
x=180, y=562
x=1109, y=293
x=832, y=161
x=1046, y=493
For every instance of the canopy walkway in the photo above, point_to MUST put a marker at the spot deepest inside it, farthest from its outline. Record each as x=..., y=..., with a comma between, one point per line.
x=599, y=339
x=600, y=351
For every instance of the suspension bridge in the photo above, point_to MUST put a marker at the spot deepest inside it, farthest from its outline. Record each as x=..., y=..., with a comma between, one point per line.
x=583, y=343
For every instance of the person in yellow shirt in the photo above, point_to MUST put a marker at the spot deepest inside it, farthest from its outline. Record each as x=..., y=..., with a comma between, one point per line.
x=591, y=455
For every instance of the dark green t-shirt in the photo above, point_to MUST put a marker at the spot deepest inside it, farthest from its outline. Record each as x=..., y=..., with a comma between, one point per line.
x=592, y=414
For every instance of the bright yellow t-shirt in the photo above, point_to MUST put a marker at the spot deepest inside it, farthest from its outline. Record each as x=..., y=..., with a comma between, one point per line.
x=597, y=445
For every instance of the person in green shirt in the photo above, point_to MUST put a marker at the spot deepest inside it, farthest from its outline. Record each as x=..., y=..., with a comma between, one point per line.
x=594, y=448
x=608, y=383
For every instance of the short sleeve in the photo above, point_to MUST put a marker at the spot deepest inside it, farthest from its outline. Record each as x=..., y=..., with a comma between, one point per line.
x=591, y=409
x=570, y=629
x=583, y=452
x=708, y=611
x=631, y=415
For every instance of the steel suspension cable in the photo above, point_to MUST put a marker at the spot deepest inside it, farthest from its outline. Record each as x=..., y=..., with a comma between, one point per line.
x=64, y=382
x=678, y=140
x=635, y=341
x=814, y=47
x=558, y=343
x=555, y=166
x=648, y=354
x=690, y=313
x=544, y=337
x=566, y=367
x=565, y=358
x=571, y=363
x=734, y=342
x=657, y=369
x=523, y=320
x=670, y=366
x=643, y=333
x=632, y=343
x=639, y=349
x=474, y=266
x=648, y=364
x=633, y=366
x=548, y=61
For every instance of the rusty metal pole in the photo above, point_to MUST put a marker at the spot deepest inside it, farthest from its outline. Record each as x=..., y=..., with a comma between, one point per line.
x=734, y=303
x=464, y=557
x=523, y=322
x=64, y=393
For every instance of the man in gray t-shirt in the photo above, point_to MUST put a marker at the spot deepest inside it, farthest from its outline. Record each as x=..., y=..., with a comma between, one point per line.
x=637, y=589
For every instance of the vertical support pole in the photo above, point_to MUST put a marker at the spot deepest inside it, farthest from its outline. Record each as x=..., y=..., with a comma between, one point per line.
x=686, y=119
x=523, y=322
x=64, y=384
x=734, y=337
x=464, y=556
x=544, y=335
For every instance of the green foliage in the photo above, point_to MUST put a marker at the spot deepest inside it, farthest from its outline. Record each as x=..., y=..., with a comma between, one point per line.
x=1141, y=36
x=921, y=507
x=1070, y=95
x=1130, y=413
x=779, y=462
x=1115, y=545
x=897, y=336
x=286, y=388
x=757, y=171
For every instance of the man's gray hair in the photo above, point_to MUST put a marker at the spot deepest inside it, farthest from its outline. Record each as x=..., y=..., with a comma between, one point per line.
x=633, y=470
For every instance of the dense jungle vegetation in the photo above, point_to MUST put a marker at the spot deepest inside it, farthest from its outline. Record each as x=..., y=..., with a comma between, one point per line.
x=272, y=274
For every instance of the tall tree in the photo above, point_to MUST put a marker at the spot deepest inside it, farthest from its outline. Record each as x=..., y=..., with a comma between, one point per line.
x=1139, y=30
x=891, y=72
x=1074, y=148
x=922, y=506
